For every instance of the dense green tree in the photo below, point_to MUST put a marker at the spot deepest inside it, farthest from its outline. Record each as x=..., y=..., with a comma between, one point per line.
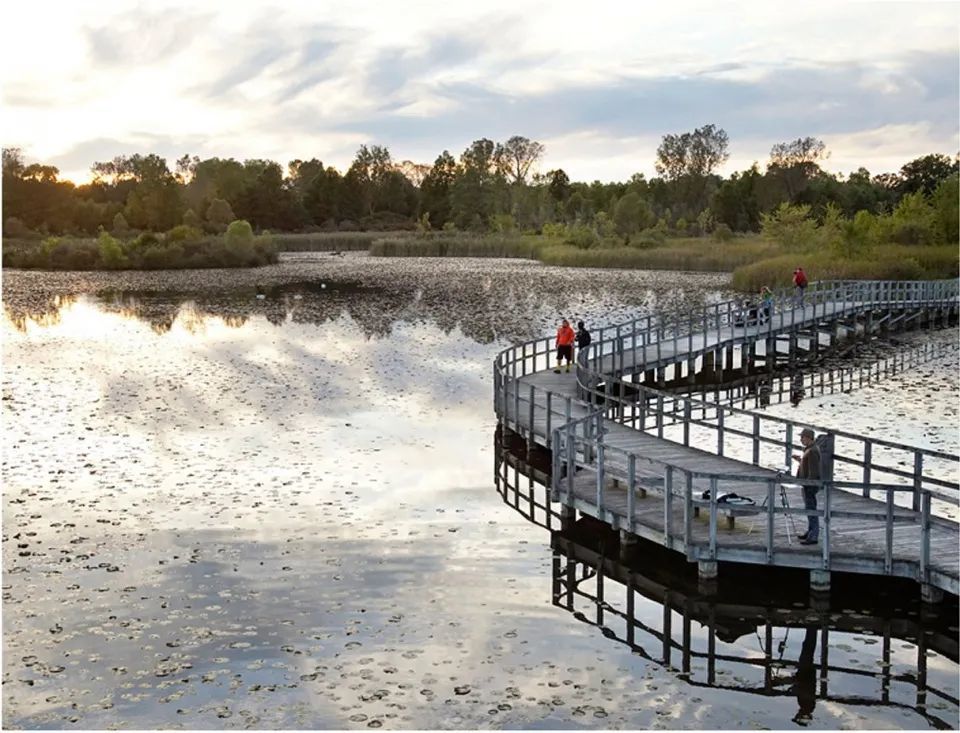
x=794, y=164
x=219, y=215
x=479, y=187
x=736, y=202
x=559, y=185
x=632, y=214
x=924, y=174
x=435, y=190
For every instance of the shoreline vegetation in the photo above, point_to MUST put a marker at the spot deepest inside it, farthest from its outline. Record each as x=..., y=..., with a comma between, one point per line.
x=181, y=248
x=137, y=213
x=753, y=260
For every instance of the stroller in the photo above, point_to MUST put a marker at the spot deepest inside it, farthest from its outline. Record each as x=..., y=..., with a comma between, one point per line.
x=749, y=315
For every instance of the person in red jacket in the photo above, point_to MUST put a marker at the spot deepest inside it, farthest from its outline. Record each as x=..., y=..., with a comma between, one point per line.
x=800, y=282
x=565, y=338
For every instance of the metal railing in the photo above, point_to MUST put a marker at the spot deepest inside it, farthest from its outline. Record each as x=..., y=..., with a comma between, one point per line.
x=575, y=431
x=653, y=341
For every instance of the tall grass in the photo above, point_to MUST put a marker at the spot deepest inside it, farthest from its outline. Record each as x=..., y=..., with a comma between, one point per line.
x=331, y=241
x=459, y=245
x=677, y=254
x=885, y=262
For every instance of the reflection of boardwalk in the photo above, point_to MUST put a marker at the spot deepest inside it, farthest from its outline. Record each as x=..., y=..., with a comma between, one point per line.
x=758, y=636
x=647, y=462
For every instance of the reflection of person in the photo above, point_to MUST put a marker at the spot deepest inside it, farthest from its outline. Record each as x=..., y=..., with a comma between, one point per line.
x=805, y=683
x=797, y=392
x=565, y=338
x=809, y=469
x=800, y=282
x=583, y=340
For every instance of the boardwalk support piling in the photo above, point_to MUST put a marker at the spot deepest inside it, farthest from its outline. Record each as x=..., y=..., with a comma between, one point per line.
x=930, y=593
x=819, y=581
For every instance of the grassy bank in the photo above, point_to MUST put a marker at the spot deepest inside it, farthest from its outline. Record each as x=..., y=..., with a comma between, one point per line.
x=459, y=245
x=886, y=262
x=676, y=254
x=332, y=241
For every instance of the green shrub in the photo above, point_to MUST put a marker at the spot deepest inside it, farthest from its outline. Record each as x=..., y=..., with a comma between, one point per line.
x=239, y=240
x=110, y=251
x=582, y=236
x=722, y=232
x=183, y=233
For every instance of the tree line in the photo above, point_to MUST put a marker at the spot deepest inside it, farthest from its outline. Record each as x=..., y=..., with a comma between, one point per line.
x=491, y=187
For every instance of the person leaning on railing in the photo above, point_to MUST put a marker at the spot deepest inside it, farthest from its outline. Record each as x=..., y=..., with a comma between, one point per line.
x=809, y=469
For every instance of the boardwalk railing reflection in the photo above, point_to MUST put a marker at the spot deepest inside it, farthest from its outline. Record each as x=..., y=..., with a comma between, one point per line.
x=765, y=637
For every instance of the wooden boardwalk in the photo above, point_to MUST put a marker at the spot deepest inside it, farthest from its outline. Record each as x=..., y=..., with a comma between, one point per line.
x=654, y=464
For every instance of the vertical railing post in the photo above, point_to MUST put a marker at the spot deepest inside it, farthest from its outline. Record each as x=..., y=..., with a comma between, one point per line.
x=549, y=417
x=827, y=493
x=668, y=506
x=631, y=489
x=713, y=517
x=867, y=466
x=556, y=455
x=532, y=416
x=888, y=544
x=925, y=537
x=756, y=440
x=788, y=446
x=600, y=478
x=770, y=490
x=917, y=479
x=720, y=414
x=687, y=511
x=686, y=422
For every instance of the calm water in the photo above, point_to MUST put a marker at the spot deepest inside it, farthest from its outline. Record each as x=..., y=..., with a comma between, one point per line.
x=225, y=510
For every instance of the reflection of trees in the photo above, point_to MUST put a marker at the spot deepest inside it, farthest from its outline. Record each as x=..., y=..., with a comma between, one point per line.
x=484, y=309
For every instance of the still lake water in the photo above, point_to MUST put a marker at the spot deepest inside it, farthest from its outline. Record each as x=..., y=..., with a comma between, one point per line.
x=266, y=499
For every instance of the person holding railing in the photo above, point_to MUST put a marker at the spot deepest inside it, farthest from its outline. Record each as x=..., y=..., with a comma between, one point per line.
x=809, y=469
x=565, y=339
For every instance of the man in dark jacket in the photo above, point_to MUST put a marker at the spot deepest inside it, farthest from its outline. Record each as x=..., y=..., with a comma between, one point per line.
x=583, y=341
x=809, y=469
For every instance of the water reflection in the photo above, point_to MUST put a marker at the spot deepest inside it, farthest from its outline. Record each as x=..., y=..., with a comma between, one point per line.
x=486, y=300
x=759, y=633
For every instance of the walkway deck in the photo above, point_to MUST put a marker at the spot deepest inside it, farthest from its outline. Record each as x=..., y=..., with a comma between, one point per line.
x=602, y=453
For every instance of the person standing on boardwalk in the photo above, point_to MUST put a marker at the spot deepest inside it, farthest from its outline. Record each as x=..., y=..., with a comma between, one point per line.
x=809, y=469
x=766, y=303
x=583, y=341
x=800, y=282
x=565, y=339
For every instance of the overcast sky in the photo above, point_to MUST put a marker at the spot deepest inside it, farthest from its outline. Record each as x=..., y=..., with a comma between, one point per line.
x=597, y=82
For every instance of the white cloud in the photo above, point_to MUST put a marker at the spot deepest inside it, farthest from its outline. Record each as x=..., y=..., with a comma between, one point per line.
x=315, y=78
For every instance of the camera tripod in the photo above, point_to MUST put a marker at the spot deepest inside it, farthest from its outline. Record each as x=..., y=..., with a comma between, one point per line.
x=784, y=503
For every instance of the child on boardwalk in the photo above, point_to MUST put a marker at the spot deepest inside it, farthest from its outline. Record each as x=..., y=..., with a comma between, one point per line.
x=766, y=303
x=565, y=338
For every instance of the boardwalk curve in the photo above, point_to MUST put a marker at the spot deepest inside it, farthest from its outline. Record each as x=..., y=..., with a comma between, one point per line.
x=653, y=463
